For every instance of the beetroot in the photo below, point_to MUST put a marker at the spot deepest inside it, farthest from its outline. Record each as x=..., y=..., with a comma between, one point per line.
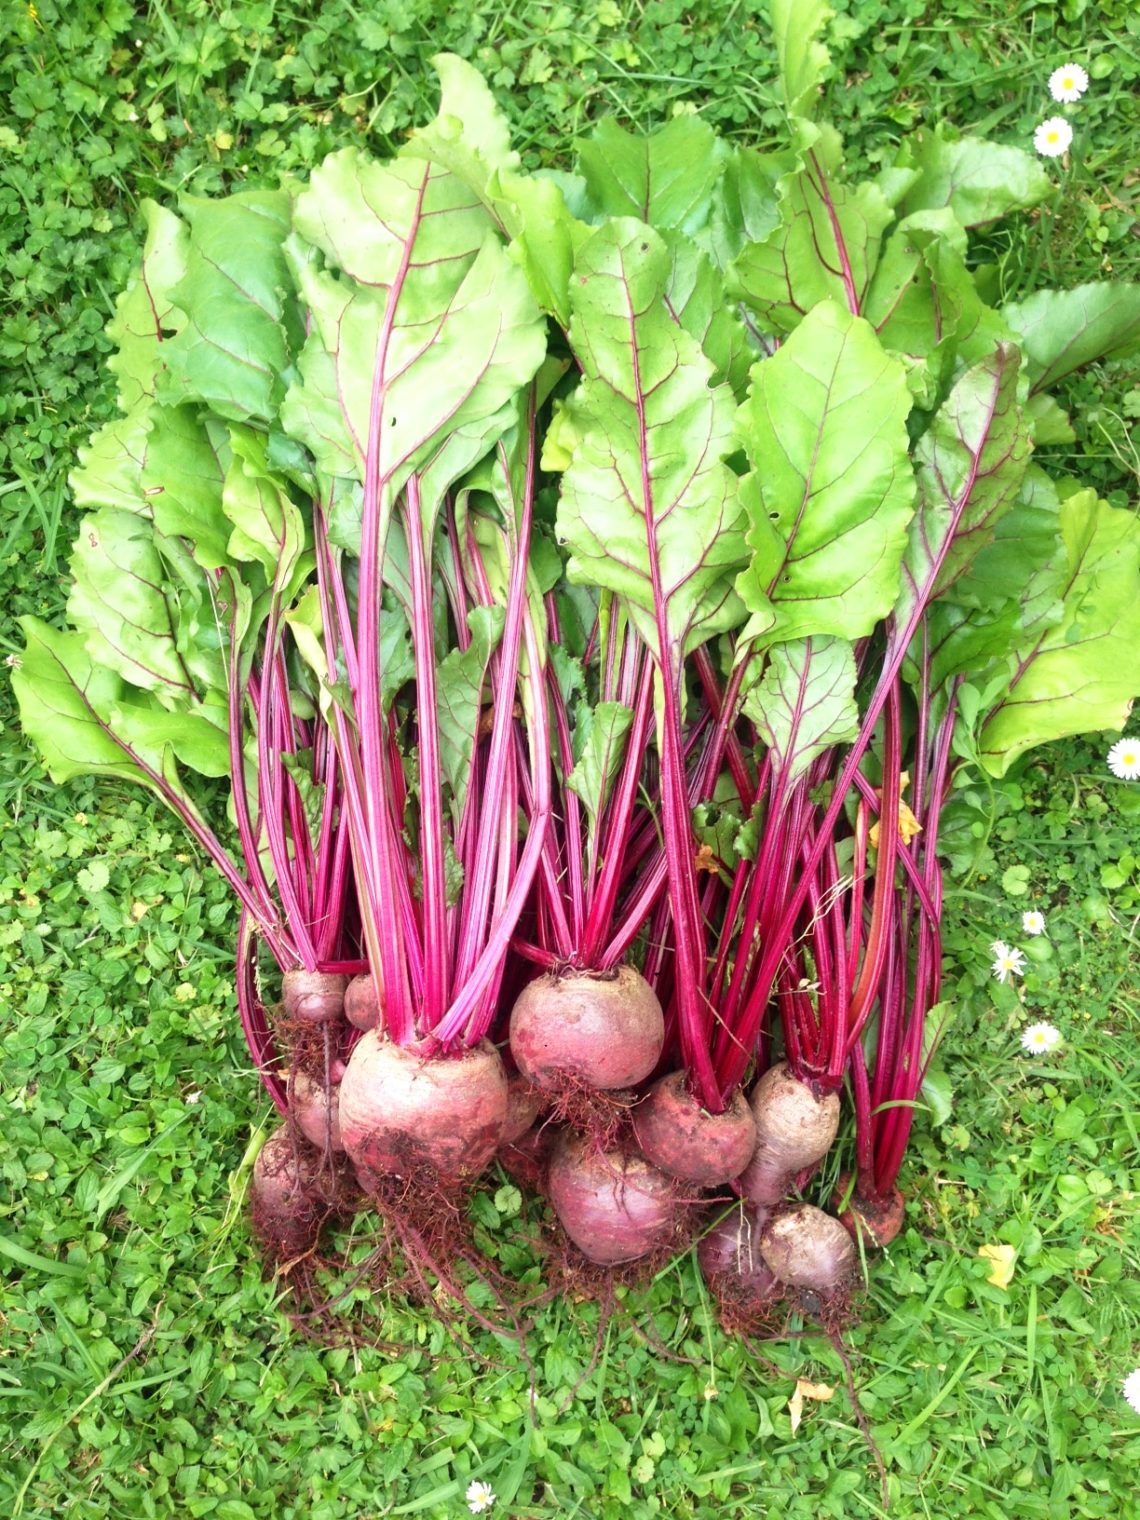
x=602, y=1031
x=317, y=1111
x=734, y=1270
x=612, y=1204
x=794, y=1130
x=284, y=1216
x=361, y=1004
x=522, y=1108
x=807, y=1248
x=676, y=1134
x=401, y=1113
x=876, y=1221
x=313, y=997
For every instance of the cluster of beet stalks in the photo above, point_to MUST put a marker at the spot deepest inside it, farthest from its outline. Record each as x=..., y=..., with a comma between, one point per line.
x=578, y=1081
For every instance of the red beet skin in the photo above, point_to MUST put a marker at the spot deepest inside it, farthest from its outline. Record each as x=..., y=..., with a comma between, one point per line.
x=794, y=1130
x=311, y=1105
x=522, y=1108
x=877, y=1220
x=361, y=1005
x=676, y=1134
x=313, y=997
x=401, y=1114
x=729, y=1257
x=605, y=1032
x=282, y=1215
x=613, y=1205
x=807, y=1248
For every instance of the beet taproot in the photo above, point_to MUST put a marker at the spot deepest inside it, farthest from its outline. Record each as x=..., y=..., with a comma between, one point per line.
x=680, y=1137
x=602, y=1031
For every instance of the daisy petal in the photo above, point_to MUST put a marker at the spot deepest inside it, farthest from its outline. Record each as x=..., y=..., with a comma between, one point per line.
x=1053, y=137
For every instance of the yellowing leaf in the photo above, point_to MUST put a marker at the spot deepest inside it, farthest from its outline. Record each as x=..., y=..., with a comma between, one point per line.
x=909, y=826
x=820, y=1392
x=1001, y=1259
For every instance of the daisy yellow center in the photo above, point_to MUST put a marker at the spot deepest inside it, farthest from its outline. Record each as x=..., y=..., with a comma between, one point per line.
x=1053, y=136
x=1129, y=757
x=1068, y=82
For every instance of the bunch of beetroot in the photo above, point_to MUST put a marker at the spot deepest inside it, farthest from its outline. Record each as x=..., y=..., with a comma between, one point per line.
x=590, y=586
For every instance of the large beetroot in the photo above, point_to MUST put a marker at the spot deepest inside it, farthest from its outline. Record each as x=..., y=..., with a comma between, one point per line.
x=806, y=1248
x=795, y=1126
x=601, y=1030
x=404, y=1115
x=676, y=1134
x=612, y=1204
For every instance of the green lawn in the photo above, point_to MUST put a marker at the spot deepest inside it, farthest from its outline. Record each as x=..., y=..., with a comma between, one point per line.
x=146, y=1368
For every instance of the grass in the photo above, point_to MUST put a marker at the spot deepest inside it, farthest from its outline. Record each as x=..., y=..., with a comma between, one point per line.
x=146, y=1368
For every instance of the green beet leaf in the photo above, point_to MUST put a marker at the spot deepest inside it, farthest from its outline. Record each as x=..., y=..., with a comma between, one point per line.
x=925, y=306
x=969, y=466
x=132, y=616
x=646, y=501
x=826, y=243
x=600, y=737
x=1077, y=674
x=804, y=704
x=796, y=27
x=696, y=296
x=146, y=314
x=241, y=324
x=667, y=178
x=110, y=467
x=65, y=702
x=831, y=492
x=1061, y=330
x=425, y=314
x=979, y=181
x=182, y=478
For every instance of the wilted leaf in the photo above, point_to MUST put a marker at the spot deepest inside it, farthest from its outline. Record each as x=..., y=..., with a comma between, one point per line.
x=1002, y=1260
x=820, y=1393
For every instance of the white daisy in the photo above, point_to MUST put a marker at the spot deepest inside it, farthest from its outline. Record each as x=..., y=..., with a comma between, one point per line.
x=1033, y=922
x=1132, y=1389
x=999, y=947
x=480, y=1497
x=1008, y=962
x=1040, y=1037
x=1052, y=137
x=1068, y=83
x=1124, y=759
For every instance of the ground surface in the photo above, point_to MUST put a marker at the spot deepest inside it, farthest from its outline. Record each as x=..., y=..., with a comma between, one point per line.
x=145, y=1366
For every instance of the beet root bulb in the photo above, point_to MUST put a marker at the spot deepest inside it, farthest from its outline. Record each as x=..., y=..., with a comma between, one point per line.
x=284, y=1216
x=316, y=1111
x=806, y=1248
x=680, y=1137
x=603, y=1032
x=733, y=1268
x=361, y=1004
x=874, y=1220
x=794, y=1129
x=313, y=997
x=613, y=1205
x=402, y=1114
